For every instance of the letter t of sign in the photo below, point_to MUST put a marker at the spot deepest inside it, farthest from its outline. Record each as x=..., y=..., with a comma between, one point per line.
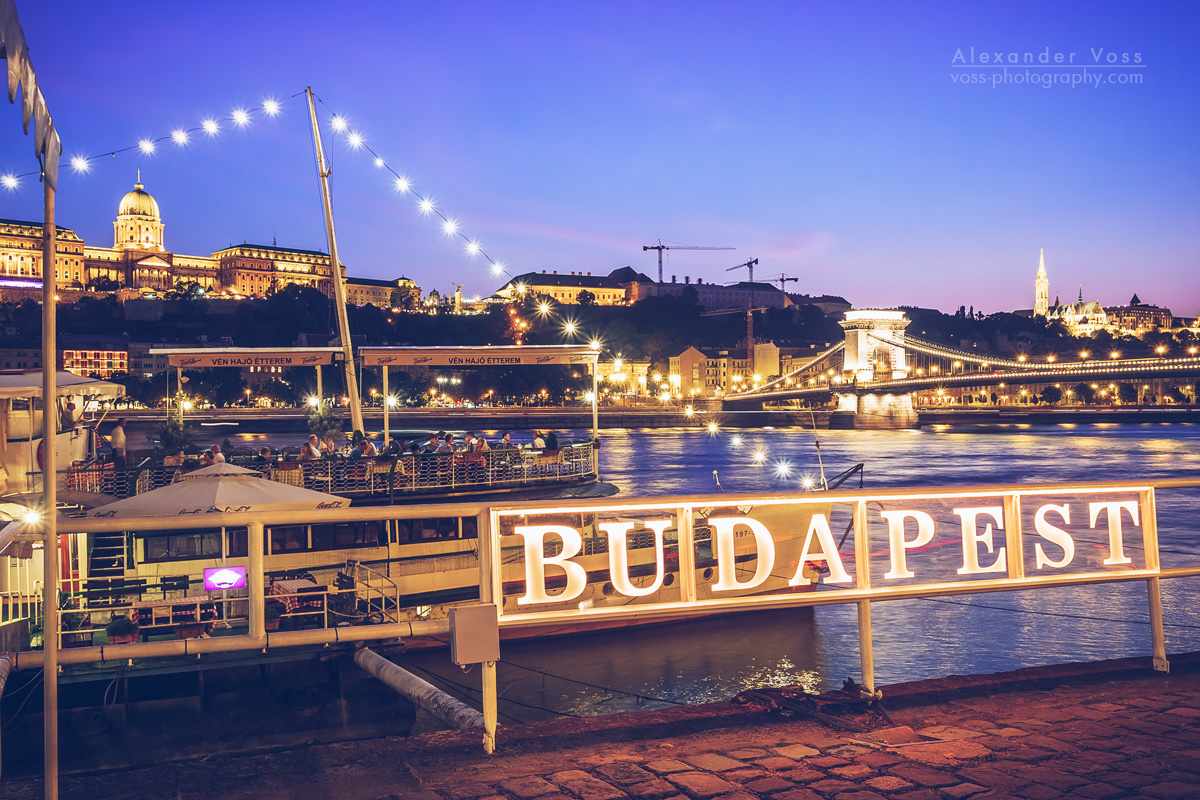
x=1116, y=545
x=536, y=562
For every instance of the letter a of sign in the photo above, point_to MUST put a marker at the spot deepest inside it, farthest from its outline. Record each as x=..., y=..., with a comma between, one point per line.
x=899, y=545
x=536, y=563
x=727, y=556
x=827, y=552
x=618, y=556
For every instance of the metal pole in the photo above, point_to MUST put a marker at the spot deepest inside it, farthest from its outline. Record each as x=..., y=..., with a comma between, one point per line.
x=595, y=400
x=179, y=389
x=339, y=288
x=1158, y=641
x=256, y=582
x=386, y=427
x=866, y=650
x=49, y=497
x=490, y=704
x=320, y=389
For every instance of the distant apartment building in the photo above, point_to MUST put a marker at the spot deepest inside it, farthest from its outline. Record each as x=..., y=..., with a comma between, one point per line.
x=710, y=295
x=831, y=305
x=95, y=356
x=709, y=372
x=19, y=353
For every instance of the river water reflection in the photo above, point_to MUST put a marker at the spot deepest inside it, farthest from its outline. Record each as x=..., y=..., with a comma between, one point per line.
x=716, y=658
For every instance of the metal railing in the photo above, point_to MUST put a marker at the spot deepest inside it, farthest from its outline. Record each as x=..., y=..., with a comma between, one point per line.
x=383, y=475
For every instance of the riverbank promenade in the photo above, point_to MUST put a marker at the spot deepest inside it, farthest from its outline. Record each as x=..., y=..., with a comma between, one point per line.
x=1104, y=730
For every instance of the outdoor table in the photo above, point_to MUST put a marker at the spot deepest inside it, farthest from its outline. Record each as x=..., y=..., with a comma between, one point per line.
x=174, y=614
x=289, y=592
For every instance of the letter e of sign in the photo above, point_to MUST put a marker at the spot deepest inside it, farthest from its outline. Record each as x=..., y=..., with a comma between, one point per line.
x=972, y=538
x=536, y=562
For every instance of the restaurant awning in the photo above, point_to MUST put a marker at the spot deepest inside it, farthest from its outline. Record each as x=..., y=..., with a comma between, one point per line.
x=247, y=356
x=499, y=356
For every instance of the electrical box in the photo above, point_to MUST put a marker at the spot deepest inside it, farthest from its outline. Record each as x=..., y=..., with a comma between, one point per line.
x=474, y=634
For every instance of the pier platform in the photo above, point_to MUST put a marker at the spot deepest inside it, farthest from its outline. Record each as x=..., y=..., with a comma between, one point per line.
x=1102, y=730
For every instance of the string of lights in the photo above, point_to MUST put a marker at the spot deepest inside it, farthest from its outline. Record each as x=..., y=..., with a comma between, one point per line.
x=209, y=127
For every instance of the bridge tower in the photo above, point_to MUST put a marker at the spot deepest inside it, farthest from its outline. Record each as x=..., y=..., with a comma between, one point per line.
x=874, y=344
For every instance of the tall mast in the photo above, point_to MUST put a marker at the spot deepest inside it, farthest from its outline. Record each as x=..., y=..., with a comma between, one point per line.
x=339, y=288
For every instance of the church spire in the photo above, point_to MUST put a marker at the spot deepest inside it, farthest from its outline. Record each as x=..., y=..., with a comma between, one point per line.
x=1041, y=288
x=1081, y=292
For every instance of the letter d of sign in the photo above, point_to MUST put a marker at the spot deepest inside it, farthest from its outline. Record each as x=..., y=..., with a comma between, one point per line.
x=727, y=557
x=899, y=545
x=618, y=556
x=536, y=562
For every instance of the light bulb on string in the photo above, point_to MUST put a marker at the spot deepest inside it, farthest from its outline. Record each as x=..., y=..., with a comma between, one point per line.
x=10, y=182
x=426, y=206
x=271, y=107
x=180, y=136
x=449, y=227
x=338, y=123
x=402, y=185
x=473, y=248
x=146, y=146
x=211, y=127
x=378, y=161
x=240, y=117
x=355, y=140
x=80, y=164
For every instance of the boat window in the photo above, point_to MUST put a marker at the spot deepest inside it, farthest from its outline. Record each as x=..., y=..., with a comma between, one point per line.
x=425, y=530
x=348, y=534
x=288, y=538
x=184, y=546
x=235, y=542
x=470, y=527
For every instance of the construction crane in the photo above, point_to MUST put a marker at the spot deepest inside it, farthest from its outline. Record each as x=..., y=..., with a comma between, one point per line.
x=749, y=312
x=781, y=279
x=749, y=267
x=659, y=245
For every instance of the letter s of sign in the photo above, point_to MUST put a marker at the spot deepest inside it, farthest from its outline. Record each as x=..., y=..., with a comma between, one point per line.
x=1116, y=546
x=536, y=563
x=618, y=556
x=899, y=545
x=1053, y=534
x=727, y=558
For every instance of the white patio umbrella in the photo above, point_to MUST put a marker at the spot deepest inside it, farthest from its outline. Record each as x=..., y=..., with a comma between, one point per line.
x=224, y=489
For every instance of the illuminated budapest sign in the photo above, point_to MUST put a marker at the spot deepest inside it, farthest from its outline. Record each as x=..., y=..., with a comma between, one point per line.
x=616, y=559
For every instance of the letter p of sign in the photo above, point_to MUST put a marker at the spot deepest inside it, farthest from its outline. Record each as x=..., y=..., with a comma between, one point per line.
x=536, y=562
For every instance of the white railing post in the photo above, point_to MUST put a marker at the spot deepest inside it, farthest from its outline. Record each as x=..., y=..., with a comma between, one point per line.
x=256, y=581
x=684, y=523
x=1158, y=639
x=862, y=570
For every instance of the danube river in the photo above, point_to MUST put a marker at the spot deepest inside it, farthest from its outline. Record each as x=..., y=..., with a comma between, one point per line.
x=715, y=658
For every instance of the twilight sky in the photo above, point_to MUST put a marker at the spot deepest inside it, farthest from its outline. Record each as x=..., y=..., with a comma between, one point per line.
x=838, y=143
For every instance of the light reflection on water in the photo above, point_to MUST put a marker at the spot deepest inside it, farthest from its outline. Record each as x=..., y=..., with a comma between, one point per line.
x=716, y=658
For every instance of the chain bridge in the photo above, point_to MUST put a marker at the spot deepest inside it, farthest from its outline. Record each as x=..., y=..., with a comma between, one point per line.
x=884, y=376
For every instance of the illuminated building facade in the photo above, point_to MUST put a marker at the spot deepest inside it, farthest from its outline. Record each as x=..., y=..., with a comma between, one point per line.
x=1041, y=288
x=398, y=293
x=1080, y=318
x=139, y=259
x=564, y=289
x=1137, y=317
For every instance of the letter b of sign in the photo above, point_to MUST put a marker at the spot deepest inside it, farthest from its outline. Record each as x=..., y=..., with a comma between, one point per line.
x=536, y=562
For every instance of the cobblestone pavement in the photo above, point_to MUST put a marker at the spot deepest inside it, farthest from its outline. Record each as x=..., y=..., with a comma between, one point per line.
x=1049, y=734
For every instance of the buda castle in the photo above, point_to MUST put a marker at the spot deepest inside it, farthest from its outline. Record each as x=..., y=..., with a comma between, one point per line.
x=139, y=261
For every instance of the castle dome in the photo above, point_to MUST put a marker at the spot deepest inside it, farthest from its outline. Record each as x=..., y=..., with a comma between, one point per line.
x=138, y=203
